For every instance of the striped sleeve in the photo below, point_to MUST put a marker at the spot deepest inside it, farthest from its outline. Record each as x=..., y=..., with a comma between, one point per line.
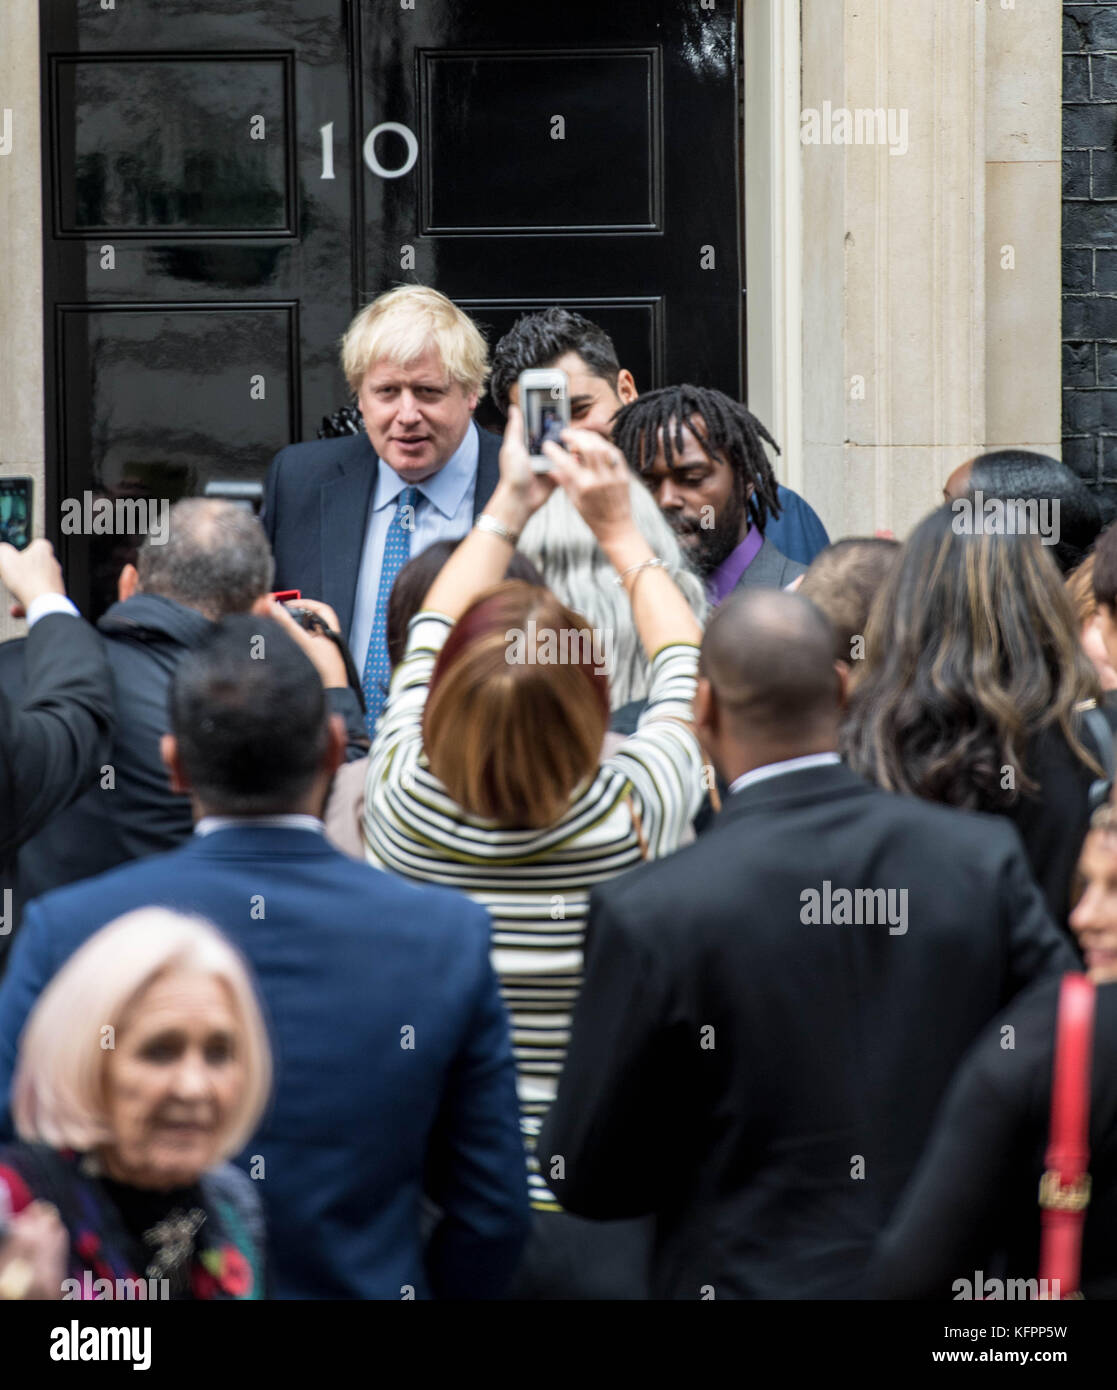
x=663, y=759
x=398, y=744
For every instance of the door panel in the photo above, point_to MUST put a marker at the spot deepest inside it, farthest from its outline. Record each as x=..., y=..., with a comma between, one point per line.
x=476, y=101
x=164, y=146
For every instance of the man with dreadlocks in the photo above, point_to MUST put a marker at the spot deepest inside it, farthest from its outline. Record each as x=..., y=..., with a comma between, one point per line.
x=702, y=455
x=599, y=386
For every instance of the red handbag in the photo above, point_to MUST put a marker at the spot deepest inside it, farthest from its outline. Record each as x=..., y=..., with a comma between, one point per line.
x=1064, y=1189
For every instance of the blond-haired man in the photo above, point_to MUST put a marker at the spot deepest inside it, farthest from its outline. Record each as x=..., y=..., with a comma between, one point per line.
x=343, y=515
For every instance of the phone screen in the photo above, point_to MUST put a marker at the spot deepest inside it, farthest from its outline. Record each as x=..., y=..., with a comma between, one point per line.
x=546, y=415
x=15, y=511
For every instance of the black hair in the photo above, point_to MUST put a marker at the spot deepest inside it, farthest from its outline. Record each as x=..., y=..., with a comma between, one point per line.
x=1010, y=473
x=731, y=429
x=537, y=340
x=249, y=713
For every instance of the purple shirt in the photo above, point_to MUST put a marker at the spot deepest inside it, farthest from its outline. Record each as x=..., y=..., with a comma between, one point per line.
x=724, y=579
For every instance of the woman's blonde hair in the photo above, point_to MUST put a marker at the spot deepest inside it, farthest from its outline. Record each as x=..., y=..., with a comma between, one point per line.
x=58, y=1093
x=518, y=707
x=402, y=324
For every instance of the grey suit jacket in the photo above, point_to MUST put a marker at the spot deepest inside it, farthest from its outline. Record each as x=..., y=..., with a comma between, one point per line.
x=771, y=569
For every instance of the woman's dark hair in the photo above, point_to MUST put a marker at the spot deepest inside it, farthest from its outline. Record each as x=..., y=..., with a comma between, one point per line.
x=413, y=583
x=971, y=650
x=727, y=428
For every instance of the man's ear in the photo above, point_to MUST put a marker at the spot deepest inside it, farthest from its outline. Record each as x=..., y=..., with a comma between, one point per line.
x=168, y=751
x=336, y=742
x=127, y=583
x=262, y=607
x=707, y=716
x=626, y=386
x=842, y=671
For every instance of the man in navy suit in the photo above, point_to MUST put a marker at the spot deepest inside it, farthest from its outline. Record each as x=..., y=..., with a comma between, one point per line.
x=395, y=1084
x=344, y=514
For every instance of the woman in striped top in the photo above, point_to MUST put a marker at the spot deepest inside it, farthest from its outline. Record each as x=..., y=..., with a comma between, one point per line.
x=484, y=774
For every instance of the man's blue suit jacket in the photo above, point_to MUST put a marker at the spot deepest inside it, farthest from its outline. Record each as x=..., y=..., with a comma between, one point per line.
x=367, y=1117
x=315, y=513
x=798, y=531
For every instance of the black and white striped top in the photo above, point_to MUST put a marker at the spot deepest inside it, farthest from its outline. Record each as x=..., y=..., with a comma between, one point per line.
x=534, y=883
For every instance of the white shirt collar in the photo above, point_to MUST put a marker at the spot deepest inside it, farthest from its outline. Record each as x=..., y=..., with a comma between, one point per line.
x=761, y=774
x=208, y=824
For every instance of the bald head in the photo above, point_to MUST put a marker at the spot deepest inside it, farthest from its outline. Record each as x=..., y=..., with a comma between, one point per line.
x=958, y=484
x=769, y=659
x=216, y=559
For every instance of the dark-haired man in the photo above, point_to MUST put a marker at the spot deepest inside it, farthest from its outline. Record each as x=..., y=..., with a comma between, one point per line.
x=600, y=386
x=394, y=1077
x=702, y=454
x=770, y=1017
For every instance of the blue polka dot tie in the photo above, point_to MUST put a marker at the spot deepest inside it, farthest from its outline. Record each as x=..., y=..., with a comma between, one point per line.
x=397, y=551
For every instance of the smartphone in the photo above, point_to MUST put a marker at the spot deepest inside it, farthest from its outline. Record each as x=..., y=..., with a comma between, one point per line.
x=16, y=511
x=545, y=403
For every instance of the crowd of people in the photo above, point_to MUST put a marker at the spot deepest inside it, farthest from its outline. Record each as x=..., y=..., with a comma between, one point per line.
x=595, y=884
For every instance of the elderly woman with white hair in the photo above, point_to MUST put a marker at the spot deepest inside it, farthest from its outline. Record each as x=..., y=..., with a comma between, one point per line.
x=144, y=1066
x=561, y=545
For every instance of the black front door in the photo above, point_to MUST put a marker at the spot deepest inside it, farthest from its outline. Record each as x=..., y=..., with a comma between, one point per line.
x=225, y=182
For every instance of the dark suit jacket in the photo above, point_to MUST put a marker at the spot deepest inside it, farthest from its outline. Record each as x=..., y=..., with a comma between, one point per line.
x=316, y=504
x=798, y=531
x=765, y=1084
x=361, y=1124
x=972, y=1201
x=771, y=569
x=55, y=735
x=138, y=813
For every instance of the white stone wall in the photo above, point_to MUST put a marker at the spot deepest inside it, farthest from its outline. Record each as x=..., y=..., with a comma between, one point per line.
x=21, y=274
x=932, y=276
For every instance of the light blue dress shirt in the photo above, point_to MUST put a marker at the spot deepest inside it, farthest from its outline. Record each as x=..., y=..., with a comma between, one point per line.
x=444, y=513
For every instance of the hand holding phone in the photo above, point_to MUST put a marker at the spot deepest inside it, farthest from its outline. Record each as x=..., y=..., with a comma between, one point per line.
x=545, y=404
x=30, y=572
x=16, y=511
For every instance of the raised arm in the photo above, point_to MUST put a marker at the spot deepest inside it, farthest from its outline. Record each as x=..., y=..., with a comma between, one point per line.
x=594, y=475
